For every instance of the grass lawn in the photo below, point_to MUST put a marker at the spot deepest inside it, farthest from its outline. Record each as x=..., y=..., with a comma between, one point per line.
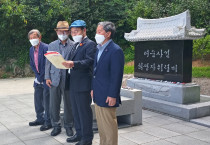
x=201, y=72
x=197, y=72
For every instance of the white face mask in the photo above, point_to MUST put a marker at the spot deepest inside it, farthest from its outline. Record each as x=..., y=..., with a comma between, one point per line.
x=63, y=37
x=99, y=38
x=77, y=38
x=34, y=42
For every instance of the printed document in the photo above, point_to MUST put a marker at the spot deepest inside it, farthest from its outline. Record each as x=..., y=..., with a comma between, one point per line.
x=56, y=59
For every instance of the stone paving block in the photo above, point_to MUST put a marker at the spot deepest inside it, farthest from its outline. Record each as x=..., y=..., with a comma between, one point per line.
x=3, y=130
x=3, y=108
x=95, y=143
x=17, y=143
x=194, y=125
x=43, y=141
x=201, y=135
x=185, y=140
x=16, y=125
x=16, y=106
x=20, y=85
x=127, y=130
x=9, y=101
x=24, y=111
x=123, y=141
x=205, y=121
x=147, y=114
x=61, y=138
x=157, y=121
x=159, y=142
x=96, y=136
x=7, y=138
x=180, y=128
x=10, y=116
x=145, y=125
x=160, y=132
x=29, y=117
x=169, y=118
x=139, y=137
x=28, y=133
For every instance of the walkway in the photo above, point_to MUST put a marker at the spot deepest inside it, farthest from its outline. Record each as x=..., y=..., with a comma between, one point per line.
x=17, y=109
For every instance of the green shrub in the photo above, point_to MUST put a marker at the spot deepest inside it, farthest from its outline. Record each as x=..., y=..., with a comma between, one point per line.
x=201, y=48
x=129, y=54
x=5, y=75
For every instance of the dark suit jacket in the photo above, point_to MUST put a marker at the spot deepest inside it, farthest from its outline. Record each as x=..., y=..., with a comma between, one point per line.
x=107, y=76
x=41, y=63
x=81, y=73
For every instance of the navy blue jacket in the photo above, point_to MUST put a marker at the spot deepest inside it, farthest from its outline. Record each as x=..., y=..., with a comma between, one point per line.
x=81, y=74
x=41, y=63
x=107, y=76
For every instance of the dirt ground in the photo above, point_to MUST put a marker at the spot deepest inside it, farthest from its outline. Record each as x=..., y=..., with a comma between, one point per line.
x=204, y=84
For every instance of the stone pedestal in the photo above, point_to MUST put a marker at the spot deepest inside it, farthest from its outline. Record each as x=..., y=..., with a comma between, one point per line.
x=167, y=91
x=130, y=111
x=179, y=100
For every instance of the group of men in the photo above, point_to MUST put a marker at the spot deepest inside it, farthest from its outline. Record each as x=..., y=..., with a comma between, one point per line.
x=95, y=72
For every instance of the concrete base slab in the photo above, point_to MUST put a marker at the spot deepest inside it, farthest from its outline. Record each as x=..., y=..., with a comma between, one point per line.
x=183, y=111
x=204, y=121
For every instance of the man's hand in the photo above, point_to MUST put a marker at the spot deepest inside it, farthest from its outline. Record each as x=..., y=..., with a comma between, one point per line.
x=68, y=64
x=111, y=101
x=49, y=82
x=91, y=94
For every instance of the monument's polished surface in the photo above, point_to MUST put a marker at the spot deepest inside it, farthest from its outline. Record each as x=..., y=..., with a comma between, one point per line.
x=164, y=60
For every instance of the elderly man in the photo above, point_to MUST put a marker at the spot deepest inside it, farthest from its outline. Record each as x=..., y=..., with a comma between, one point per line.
x=106, y=84
x=41, y=90
x=81, y=63
x=55, y=79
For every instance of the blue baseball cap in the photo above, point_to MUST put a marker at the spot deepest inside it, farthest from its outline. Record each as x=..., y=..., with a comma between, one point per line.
x=78, y=23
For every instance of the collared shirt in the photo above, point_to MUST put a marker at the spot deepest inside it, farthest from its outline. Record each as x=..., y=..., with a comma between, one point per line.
x=62, y=48
x=101, y=49
x=36, y=55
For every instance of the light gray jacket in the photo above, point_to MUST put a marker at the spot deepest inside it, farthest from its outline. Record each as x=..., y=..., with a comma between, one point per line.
x=51, y=72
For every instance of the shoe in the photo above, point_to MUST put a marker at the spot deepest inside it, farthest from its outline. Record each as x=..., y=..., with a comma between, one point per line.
x=35, y=123
x=56, y=131
x=45, y=127
x=69, y=131
x=74, y=138
x=84, y=143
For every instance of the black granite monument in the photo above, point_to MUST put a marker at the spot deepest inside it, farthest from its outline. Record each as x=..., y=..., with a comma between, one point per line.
x=164, y=60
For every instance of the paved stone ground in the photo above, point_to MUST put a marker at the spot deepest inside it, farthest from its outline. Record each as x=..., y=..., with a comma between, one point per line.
x=17, y=109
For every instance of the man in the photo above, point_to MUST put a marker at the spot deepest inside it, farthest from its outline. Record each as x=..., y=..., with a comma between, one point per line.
x=55, y=79
x=81, y=63
x=41, y=90
x=106, y=84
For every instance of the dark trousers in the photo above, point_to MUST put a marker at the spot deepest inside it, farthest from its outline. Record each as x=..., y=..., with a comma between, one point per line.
x=82, y=112
x=56, y=94
x=41, y=103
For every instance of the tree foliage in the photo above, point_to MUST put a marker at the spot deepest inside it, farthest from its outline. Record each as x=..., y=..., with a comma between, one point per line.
x=18, y=17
